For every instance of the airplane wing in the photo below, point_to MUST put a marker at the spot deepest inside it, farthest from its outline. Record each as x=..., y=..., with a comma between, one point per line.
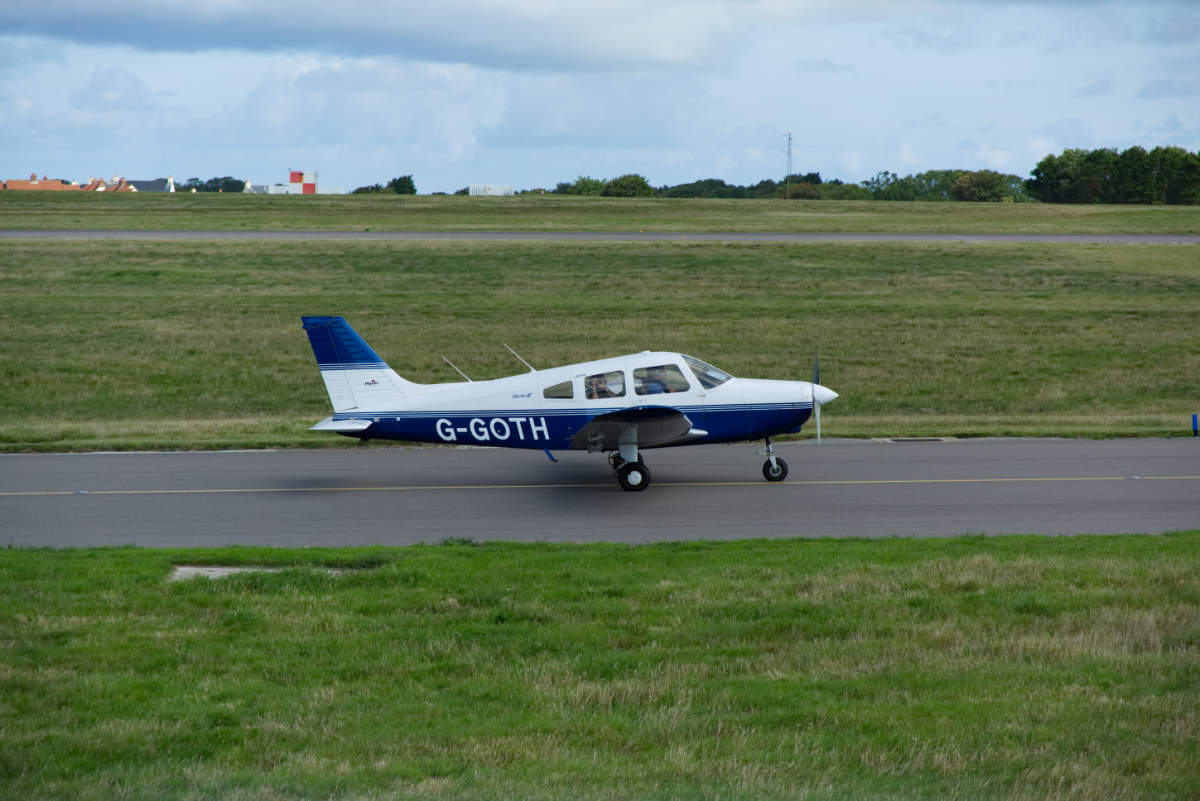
x=649, y=426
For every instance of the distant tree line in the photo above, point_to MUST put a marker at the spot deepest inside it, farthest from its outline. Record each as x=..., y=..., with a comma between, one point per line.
x=225, y=184
x=1169, y=175
x=402, y=185
x=978, y=186
x=630, y=185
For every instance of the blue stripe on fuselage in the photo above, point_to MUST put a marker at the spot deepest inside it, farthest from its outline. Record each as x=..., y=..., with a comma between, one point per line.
x=554, y=428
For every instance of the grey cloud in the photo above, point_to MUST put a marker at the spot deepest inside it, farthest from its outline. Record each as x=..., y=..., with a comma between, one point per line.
x=823, y=65
x=911, y=37
x=1097, y=88
x=1174, y=29
x=113, y=88
x=508, y=34
x=1169, y=87
x=17, y=53
x=935, y=120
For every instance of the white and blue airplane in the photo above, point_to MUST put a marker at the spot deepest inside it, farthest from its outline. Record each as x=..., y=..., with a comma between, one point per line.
x=618, y=406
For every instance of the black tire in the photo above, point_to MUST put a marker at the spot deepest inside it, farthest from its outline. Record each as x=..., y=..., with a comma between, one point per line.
x=779, y=473
x=633, y=476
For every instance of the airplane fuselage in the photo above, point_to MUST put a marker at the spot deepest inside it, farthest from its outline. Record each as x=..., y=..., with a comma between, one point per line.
x=513, y=412
x=619, y=405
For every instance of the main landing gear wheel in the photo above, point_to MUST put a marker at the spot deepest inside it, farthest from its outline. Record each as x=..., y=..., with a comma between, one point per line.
x=633, y=476
x=776, y=472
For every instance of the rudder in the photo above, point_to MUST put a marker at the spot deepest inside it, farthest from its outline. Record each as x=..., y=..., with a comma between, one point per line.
x=356, y=378
x=337, y=346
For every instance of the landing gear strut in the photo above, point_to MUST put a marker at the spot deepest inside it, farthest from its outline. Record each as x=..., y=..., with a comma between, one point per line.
x=774, y=469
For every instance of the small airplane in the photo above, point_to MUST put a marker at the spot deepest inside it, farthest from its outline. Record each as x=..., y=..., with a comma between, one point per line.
x=618, y=406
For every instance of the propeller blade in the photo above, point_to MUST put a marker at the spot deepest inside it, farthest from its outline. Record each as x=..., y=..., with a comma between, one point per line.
x=817, y=406
x=816, y=382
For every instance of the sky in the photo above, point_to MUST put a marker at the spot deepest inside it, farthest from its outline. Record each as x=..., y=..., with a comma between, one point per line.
x=530, y=93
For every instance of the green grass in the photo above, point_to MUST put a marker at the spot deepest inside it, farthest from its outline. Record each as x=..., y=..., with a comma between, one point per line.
x=980, y=668
x=198, y=344
x=208, y=211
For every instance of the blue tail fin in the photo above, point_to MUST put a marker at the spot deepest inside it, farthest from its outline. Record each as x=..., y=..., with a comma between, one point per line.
x=356, y=379
x=337, y=346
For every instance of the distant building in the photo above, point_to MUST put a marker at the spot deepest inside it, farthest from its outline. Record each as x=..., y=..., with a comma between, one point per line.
x=43, y=184
x=117, y=184
x=299, y=183
x=302, y=183
x=490, y=190
x=157, y=185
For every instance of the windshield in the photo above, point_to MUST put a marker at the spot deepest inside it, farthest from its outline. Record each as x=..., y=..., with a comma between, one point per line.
x=708, y=376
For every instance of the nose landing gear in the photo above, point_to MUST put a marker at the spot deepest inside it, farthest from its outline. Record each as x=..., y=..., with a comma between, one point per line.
x=774, y=469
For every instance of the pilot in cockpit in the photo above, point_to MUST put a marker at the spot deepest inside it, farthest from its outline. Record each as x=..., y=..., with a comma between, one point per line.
x=656, y=382
x=597, y=387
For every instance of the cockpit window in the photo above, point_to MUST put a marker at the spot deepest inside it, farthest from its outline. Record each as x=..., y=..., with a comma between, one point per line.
x=605, y=385
x=563, y=390
x=658, y=379
x=708, y=376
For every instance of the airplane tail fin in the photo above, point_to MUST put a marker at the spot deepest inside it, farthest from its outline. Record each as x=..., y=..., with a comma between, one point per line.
x=355, y=376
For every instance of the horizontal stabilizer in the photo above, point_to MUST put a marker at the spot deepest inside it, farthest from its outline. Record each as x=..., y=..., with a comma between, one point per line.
x=342, y=426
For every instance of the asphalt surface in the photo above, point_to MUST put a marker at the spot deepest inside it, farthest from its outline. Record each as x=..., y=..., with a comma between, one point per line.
x=576, y=236
x=396, y=496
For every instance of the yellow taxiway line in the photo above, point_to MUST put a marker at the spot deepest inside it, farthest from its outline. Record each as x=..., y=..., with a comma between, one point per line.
x=437, y=487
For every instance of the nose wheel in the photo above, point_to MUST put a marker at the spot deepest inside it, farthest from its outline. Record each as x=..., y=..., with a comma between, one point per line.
x=775, y=472
x=774, y=469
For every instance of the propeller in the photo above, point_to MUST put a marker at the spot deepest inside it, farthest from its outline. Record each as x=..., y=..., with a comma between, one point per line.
x=816, y=383
x=820, y=395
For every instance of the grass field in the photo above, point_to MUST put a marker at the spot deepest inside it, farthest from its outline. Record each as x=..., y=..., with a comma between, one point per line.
x=209, y=211
x=198, y=344
x=970, y=668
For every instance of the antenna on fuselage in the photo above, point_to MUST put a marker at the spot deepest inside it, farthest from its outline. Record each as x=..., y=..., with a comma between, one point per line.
x=460, y=372
x=532, y=369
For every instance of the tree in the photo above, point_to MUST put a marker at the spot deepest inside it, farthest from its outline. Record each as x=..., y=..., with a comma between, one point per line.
x=631, y=185
x=1178, y=175
x=372, y=189
x=1164, y=175
x=1098, y=179
x=708, y=187
x=1135, y=176
x=583, y=185
x=403, y=185
x=889, y=186
x=981, y=186
x=225, y=184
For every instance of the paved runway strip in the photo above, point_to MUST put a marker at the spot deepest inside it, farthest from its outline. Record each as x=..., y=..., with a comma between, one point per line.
x=609, y=236
x=397, y=496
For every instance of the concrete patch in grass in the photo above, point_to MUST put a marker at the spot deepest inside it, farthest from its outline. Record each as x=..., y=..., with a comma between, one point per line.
x=184, y=572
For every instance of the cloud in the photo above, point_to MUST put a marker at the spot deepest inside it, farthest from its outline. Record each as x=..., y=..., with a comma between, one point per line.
x=511, y=34
x=994, y=157
x=823, y=65
x=1097, y=88
x=21, y=53
x=1169, y=87
x=114, y=89
x=1173, y=29
x=932, y=38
